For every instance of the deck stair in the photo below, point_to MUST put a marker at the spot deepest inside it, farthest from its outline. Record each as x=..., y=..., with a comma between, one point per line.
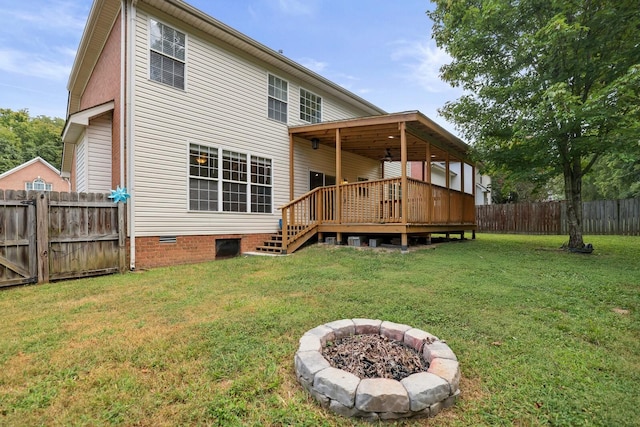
x=273, y=245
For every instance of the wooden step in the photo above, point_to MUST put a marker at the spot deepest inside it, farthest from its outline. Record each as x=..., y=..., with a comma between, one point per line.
x=270, y=249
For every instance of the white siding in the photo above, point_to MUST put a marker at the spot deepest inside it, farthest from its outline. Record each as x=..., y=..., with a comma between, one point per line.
x=99, y=154
x=224, y=104
x=81, y=164
x=323, y=160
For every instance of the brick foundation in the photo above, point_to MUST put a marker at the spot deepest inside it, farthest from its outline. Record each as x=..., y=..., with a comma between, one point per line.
x=150, y=252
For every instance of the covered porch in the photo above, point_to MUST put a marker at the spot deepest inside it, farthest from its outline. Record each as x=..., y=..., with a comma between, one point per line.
x=405, y=144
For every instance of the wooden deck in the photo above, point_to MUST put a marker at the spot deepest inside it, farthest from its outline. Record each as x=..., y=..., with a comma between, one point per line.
x=377, y=207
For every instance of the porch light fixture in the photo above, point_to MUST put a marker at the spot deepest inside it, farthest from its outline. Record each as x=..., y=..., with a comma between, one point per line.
x=387, y=156
x=315, y=143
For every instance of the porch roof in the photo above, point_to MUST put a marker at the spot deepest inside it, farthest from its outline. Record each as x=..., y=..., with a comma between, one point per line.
x=372, y=136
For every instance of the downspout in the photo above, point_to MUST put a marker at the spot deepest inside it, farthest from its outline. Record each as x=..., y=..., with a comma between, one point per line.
x=130, y=78
x=123, y=47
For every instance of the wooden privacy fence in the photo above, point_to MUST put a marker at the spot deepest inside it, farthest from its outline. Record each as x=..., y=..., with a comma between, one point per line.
x=51, y=236
x=598, y=217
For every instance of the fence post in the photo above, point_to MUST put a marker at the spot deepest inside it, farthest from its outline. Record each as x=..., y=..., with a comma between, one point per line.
x=42, y=237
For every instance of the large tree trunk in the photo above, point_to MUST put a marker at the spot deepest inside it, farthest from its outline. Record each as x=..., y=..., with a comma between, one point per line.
x=573, y=194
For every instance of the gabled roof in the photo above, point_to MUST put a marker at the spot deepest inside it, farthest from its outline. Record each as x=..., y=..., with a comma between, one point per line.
x=73, y=128
x=29, y=163
x=104, y=13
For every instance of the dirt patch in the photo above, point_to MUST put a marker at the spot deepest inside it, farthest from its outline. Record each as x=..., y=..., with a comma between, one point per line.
x=374, y=356
x=620, y=311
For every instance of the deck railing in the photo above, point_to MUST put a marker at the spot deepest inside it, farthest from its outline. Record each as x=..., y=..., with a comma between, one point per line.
x=375, y=202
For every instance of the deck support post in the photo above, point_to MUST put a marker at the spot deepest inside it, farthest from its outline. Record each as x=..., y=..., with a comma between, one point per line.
x=428, y=238
x=320, y=237
x=430, y=206
x=291, y=165
x=404, y=183
x=404, y=244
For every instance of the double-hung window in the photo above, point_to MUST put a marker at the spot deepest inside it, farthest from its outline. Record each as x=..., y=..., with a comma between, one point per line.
x=203, y=178
x=234, y=181
x=229, y=181
x=278, y=99
x=310, y=107
x=166, y=54
x=260, y=184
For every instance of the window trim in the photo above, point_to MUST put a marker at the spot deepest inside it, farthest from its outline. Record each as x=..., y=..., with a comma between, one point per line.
x=221, y=180
x=46, y=186
x=286, y=102
x=150, y=49
x=320, y=104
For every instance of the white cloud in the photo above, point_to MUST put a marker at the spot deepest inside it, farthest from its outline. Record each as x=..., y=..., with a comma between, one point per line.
x=66, y=16
x=296, y=7
x=314, y=65
x=31, y=64
x=422, y=60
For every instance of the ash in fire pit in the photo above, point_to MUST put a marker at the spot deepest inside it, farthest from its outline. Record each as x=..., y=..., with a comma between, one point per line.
x=374, y=356
x=374, y=372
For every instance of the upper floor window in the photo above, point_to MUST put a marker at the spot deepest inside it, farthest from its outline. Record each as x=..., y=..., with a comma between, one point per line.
x=38, y=184
x=278, y=99
x=167, y=54
x=310, y=107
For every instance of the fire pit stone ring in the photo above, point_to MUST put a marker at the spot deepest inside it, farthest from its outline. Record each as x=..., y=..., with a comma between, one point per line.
x=422, y=394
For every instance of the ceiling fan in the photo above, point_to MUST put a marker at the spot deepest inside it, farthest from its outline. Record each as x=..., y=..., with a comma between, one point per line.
x=387, y=156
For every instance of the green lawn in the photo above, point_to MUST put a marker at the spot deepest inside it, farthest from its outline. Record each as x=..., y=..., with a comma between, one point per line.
x=543, y=337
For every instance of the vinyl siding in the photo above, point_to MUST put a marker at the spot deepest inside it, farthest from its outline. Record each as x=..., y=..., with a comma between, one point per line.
x=224, y=105
x=99, y=154
x=81, y=164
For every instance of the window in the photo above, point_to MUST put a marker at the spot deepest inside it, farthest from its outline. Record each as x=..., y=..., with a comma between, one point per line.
x=278, y=96
x=260, y=184
x=167, y=54
x=225, y=182
x=38, y=184
x=234, y=182
x=203, y=178
x=310, y=107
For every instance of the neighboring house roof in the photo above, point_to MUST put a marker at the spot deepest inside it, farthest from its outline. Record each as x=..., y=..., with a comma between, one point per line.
x=29, y=163
x=102, y=17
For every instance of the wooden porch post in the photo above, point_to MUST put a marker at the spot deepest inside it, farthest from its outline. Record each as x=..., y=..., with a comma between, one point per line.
x=430, y=205
x=404, y=183
x=448, y=185
x=291, y=162
x=473, y=193
x=338, y=203
x=462, y=191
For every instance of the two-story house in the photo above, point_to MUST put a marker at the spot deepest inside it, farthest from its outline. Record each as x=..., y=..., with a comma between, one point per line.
x=219, y=140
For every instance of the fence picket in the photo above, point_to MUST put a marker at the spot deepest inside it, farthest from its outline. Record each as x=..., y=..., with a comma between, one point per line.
x=51, y=236
x=598, y=217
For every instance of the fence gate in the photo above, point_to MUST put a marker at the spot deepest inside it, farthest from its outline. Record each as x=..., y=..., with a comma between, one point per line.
x=54, y=236
x=18, y=242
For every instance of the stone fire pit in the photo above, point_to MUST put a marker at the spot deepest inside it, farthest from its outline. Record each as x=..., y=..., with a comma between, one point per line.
x=422, y=394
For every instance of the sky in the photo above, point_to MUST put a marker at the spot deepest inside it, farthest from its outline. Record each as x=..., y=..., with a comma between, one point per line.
x=380, y=50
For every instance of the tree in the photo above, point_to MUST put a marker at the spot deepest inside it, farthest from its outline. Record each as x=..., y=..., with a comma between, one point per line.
x=22, y=138
x=551, y=85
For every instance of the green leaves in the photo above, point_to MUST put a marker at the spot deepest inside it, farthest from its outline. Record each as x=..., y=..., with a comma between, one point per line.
x=23, y=137
x=553, y=85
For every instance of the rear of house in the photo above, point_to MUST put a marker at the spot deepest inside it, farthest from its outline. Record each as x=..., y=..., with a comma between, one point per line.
x=192, y=118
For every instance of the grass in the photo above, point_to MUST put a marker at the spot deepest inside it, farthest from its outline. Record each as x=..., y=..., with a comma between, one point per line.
x=543, y=337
